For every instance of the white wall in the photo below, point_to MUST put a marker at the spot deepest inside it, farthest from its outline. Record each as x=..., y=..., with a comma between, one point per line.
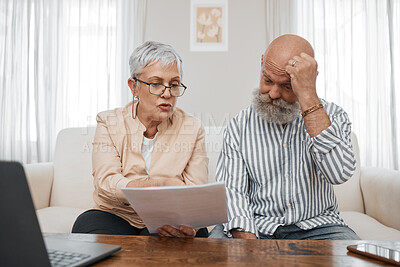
x=219, y=83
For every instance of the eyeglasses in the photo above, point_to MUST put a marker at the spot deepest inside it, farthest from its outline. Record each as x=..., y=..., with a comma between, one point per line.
x=159, y=89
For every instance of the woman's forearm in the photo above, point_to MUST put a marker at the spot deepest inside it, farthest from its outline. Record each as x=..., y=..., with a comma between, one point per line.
x=155, y=182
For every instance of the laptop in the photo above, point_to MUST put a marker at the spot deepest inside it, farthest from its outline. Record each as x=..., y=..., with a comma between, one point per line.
x=22, y=243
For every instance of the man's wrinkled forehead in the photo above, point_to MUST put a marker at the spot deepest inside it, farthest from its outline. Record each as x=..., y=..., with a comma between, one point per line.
x=273, y=67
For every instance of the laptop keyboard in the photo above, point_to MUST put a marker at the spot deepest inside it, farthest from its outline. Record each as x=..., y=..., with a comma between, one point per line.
x=62, y=258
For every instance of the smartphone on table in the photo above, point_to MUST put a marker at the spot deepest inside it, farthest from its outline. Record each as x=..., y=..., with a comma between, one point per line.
x=377, y=252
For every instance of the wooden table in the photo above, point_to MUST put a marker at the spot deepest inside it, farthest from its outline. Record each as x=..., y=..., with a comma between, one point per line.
x=162, y=251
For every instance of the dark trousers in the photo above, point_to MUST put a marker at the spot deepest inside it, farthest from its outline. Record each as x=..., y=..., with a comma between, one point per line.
x=323, y=232
x=102, y=222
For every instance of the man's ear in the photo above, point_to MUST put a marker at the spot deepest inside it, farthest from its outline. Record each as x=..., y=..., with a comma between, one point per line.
x=132, y=85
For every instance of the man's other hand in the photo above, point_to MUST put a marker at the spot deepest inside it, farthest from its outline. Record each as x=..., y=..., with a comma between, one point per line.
x=243, y=235
x=183, y=231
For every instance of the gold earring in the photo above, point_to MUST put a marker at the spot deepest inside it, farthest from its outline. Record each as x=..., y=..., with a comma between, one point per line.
x=136, y=101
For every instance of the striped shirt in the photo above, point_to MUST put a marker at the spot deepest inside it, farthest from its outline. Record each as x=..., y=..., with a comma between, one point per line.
x=278, y=175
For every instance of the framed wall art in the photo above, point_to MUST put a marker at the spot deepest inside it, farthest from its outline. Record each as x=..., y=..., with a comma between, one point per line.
x=209, y=25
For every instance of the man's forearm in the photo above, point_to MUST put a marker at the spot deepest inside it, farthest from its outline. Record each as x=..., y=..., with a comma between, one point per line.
x=316, y=121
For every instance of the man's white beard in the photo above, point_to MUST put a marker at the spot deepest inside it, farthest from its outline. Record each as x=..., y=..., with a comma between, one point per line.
x=274, y=110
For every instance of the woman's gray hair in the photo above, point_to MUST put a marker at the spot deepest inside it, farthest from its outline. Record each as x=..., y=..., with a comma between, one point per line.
x=151, y=52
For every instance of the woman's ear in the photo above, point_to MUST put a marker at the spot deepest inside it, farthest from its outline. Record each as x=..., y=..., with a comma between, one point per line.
x=132, y=86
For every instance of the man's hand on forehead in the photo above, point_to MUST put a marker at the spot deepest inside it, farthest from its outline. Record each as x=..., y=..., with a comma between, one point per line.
x=303, y=73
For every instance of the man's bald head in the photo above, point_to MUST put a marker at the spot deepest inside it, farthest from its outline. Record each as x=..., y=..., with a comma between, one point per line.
x=286, y=47
x=275, y=100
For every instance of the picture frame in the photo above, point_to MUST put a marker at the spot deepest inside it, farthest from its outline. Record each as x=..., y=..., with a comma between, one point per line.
x=209, y=25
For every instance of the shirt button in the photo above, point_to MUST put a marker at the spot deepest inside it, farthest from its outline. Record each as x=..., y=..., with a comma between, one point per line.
x=289, y=205
x=286, y=175
x=285, y=145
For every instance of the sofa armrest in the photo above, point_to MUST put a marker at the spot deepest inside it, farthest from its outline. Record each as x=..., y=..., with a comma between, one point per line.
x=380, y=188
x=40, y=180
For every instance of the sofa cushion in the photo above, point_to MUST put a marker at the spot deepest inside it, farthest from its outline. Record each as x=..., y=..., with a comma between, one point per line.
x=73, y=180
x=214, y=137
x=58, y=219
x=380, y=188
x=40, y=180
x=368, y=228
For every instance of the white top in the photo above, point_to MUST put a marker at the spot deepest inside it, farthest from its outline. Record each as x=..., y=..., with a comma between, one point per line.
x=147, y=150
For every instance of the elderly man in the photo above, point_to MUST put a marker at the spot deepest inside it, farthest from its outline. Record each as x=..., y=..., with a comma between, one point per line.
x=282, y=155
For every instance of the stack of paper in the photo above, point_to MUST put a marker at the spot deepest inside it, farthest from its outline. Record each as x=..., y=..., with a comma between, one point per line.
x=195, y=206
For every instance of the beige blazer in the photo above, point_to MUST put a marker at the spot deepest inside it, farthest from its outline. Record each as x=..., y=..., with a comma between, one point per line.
x=179, y=151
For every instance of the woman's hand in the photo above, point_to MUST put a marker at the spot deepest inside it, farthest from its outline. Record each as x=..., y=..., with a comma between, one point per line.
x=183, y=231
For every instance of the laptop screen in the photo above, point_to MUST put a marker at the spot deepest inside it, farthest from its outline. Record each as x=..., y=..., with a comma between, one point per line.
x=22, y=241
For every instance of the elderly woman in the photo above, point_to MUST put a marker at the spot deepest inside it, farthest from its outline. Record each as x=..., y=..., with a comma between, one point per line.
x=149, y=142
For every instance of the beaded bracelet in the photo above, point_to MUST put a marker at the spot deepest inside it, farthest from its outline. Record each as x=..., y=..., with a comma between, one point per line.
x=312, y=109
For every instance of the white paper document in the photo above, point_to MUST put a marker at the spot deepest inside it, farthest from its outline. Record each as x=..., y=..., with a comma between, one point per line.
x=196, y=206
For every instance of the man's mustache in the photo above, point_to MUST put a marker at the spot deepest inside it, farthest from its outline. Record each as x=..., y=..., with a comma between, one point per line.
x=269, y=100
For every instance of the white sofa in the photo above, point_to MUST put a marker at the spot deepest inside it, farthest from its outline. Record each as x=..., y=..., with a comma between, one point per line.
x=369, y=202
